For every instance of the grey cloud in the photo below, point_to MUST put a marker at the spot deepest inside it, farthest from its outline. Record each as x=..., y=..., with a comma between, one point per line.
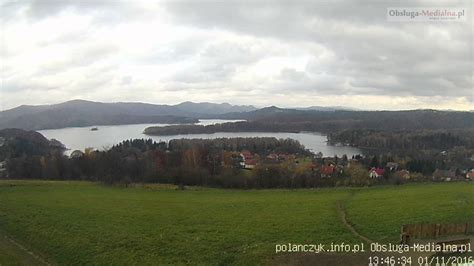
x=351, y=47
x=293, y=75
x=219, y=61
x=420, y=58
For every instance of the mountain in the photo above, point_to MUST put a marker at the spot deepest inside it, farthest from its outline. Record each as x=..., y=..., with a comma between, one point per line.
x=314, y=120
x=326, y=108
x=272, y=112
x=87, y=113
x=211, y=109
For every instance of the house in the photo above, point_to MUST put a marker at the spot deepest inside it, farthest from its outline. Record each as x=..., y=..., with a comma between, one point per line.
x=250, y=164
x=470, y=175
x=443, y=175
x=327, y=170
x=248, y=160
x=283, y=157
x=392, y=166
x=3, y=168
x=311, y=166
x=376, y=172
x=273, y=157
x=278, y=156
x=404, y=174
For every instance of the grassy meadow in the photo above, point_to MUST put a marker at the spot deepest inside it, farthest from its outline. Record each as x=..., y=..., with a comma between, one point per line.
x=88, y=223
x=378, y=213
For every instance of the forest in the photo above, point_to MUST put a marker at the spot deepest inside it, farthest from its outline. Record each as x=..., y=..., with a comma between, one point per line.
x=214, y=163
x=242, y=162
x=405, y=140
x=288, y=120
x=326, y=121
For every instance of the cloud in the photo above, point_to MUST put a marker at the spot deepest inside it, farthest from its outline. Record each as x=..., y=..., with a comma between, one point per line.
x=383, y=57
x=247, y=52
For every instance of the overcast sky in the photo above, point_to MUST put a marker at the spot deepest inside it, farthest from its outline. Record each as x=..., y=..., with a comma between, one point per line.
x=284, y=53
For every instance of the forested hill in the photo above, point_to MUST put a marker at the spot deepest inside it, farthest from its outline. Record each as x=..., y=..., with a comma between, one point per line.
x=274, y=119
x=342, y=119
x=87, y=113
x=18, y=143
x=406, y=140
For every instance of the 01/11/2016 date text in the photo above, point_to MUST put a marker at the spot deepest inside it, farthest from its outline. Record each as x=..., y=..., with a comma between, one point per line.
x=421, y=261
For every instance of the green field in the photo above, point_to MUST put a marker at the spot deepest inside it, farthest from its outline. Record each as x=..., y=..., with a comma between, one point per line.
x=88, y=223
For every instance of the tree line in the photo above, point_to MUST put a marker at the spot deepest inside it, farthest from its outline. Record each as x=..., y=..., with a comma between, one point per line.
x=215, y=163
x=405, y=140
x=282, y=163
x=288, y=120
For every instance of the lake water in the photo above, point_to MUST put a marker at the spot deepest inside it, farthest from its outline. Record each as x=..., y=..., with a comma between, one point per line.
x=79, y=138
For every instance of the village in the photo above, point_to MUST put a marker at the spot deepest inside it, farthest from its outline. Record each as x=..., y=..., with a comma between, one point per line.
x=332, y=167
x=236, y=163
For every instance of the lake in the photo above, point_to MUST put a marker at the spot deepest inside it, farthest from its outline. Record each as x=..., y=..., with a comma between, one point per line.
x=79, y=138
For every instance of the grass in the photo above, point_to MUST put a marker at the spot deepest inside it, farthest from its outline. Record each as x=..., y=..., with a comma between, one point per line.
x=379, y=213
x=87, y=223
x=10, y=254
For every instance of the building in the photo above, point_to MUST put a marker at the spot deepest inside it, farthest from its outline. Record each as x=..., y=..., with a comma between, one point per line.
x=404, y=174
x=470, y=175
x=392, y=166
x=376, y=172
x=327, y=170
x=279, y=157
x=443, y=175
x=248, y=160
x=273, y=157
x=250, y=164
x=3, y=169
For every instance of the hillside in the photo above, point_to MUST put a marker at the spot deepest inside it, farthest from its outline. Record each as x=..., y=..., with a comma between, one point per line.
x=344, y=119
x=274, y=119
x=78, y=223
x=17, y=142
x=87, y=113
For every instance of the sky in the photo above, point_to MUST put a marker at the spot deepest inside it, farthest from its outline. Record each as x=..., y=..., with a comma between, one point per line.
x=263, y=53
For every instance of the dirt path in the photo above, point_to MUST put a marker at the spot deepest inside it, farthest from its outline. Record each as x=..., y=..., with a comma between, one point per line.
x=329, y=259
x=12, y=252
x=341, y=209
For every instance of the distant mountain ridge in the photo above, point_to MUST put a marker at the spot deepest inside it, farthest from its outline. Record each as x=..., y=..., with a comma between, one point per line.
x=274, y=119
x=327, y=108
x=88, y=113
x=77, y=113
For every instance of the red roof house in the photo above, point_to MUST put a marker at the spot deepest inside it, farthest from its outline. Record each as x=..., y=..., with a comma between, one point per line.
x=249, y=161
x=376, y=172
x=327, y=170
